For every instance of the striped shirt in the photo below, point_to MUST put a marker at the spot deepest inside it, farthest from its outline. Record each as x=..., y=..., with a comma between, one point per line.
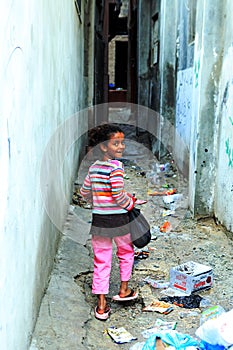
x=104, y=186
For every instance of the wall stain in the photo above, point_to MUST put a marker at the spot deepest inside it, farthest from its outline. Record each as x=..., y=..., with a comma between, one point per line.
x=170, y=93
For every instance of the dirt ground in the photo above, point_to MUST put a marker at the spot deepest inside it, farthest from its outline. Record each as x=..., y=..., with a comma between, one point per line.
x=200, y=240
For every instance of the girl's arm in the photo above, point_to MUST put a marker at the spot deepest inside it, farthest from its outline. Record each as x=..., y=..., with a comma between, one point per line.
x=123, y=199
x=86, y=190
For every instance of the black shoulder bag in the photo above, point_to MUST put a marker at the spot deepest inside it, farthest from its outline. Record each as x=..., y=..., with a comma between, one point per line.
x=139, y=228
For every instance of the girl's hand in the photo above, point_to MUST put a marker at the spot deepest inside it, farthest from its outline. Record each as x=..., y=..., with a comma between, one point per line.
x=131, y=195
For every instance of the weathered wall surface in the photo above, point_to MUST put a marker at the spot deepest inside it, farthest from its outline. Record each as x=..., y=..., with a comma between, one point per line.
x=41, y=86
x=224, y=102
x=203, y=108
x=203, y=123
x=209, y=48
x=224, y=183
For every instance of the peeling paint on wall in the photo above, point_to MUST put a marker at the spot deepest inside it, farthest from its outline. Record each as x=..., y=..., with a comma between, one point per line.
x=184, y=103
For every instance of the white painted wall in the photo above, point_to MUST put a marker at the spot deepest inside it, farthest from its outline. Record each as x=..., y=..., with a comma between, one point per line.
x=224, y=101
x=207, y=126
x=41, y=86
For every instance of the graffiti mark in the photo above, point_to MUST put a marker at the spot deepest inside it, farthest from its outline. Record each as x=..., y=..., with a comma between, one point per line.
x=225, y=95
x=196, y=71
x=231, y=120
x=229, y=152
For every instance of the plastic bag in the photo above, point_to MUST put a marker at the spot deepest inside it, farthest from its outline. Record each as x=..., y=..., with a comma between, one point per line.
x=207, y=346
x=217, y=331
x=137, y=346
x=211, y=313
x=139, y=228
x=188, y=301
x=173, y=338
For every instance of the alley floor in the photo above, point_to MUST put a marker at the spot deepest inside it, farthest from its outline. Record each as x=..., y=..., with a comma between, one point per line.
x=66, y=319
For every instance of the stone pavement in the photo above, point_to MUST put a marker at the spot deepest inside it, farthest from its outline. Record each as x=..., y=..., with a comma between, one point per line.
x=66, y=319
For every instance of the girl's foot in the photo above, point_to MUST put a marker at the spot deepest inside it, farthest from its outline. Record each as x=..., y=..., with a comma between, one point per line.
x=130, y=294
x=102, y=314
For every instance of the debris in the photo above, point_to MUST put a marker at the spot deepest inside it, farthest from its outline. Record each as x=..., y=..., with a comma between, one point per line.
x=188, y=314
x=152, y=177
x=142, y=254
x=154, y=230
x=217, y=331
x=188, y=301
x=173, y=338
x=211, y=313
x=162, y=193
x=156, y=283
x=159, y=306
x=191, y=277
x=171, y=292
x=166, y=227
x=137, y=346
x=173, y=201
x=141, y=173
x=168, y=212
x=120, y=335
x=205, y=303
x=160, y=325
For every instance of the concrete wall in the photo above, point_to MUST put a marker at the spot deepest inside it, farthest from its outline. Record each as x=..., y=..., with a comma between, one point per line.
x=195, y=102
x=143, y=50
x=223, y=206
x=209, y=48
x=203, y=121
x=41, y=86
x=167, y=67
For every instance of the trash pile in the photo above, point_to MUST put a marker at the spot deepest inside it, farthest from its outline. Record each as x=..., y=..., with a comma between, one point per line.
x=214, y=333
x=215, y=323
x=164, y=189
x=187, y=280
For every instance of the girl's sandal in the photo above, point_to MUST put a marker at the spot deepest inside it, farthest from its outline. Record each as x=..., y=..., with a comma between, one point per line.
x=102, y=315
x=131, y=296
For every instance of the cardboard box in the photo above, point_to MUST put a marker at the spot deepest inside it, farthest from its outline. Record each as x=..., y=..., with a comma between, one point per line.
x=191, y=277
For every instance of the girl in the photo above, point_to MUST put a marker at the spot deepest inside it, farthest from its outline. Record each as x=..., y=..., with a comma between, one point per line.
x=104, y=186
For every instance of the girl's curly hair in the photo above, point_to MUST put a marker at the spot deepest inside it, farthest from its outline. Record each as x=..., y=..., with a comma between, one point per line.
x=102, y=133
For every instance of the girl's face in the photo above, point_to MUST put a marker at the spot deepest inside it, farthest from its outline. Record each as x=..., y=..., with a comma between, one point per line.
x=115, y=147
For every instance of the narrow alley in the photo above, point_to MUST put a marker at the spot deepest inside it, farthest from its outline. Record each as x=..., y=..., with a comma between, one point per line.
x=162, y=71
x=66, y=319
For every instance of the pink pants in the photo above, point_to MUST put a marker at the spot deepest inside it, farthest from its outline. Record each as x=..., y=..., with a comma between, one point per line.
x=102, y=247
